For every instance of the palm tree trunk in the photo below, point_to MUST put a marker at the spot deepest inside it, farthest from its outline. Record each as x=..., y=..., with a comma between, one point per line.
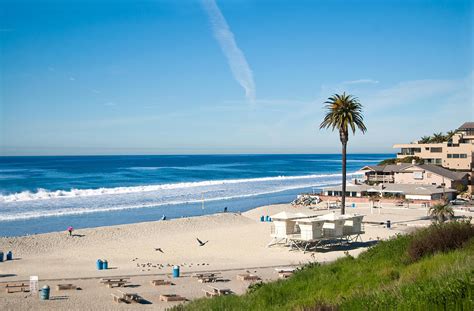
x=343, y=195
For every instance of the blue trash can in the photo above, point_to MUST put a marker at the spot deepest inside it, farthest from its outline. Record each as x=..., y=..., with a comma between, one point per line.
x=100, y=264
x=1, y=256
x=44, y=295
x=262, y=219
x=105, y=265
x=9, y=255
x=176, y=271
x=389, y=224
x=353, y=205
x=267, y=218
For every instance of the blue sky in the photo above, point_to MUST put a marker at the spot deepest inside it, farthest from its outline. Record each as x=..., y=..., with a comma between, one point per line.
x=160, y=77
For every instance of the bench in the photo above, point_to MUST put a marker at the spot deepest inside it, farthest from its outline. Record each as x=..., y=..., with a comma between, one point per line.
x=172, y=297
x=17, y=287
x=65, y=287
x=161, y=282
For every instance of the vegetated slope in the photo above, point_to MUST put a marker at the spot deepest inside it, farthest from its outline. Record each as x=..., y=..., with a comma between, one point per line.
x=422, y=271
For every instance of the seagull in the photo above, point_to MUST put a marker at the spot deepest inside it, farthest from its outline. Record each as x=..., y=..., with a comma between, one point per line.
x=159, y=250
x=201, y=243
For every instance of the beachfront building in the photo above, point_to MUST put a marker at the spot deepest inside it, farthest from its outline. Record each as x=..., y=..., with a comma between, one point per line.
x=457, y=153
x=418, y=174
x=407, y=191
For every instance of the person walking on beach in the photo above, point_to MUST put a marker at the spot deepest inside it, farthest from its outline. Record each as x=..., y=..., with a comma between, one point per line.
x=69, y=229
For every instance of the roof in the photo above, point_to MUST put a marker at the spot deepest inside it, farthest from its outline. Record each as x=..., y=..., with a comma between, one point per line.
x=396, y=168
x=283, y=215
x=466, y=125
x=441, y=171
x=387, y=168
x=394, y=188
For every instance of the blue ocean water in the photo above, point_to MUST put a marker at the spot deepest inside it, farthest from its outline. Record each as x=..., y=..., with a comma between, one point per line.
x=44, y=194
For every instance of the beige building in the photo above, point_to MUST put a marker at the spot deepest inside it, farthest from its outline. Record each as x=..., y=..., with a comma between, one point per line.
x=455, y=154
x=407, y=191
x=415, y=174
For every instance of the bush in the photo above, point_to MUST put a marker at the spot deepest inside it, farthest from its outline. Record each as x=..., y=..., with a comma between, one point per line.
x=439, y=238
x=461, y=188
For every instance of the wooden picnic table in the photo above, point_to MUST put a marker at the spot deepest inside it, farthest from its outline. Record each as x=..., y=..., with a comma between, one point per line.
x=110, y=282
x=130, y=297
x=161, y=282
x=207, y=274
x=172, y=297
x=216, y=291
x=17, y=287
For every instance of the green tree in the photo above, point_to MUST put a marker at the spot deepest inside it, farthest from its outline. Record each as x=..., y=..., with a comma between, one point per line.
x=425, y=140
x=449, y=135
x=344, y=112
x=441, y=212
x=437, y=138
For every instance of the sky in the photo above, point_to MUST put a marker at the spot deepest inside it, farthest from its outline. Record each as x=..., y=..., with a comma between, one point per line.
x=186, y=77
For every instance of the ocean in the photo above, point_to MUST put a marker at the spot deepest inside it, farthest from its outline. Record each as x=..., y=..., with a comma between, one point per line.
x=50, y=193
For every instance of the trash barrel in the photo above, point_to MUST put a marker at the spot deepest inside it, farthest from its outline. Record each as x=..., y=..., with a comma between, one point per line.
x=353, y=205
x=100, y=264
x=1, y=256
x=389, y=225
x=9, y=255
x=44, y=295
x=176, y=271
x=262, y=219
x=105, y=265
x=267, y=218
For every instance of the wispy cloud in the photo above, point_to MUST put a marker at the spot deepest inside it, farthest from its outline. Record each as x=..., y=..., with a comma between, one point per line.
x=110, y=104
x=361, y=81
x=235, y=57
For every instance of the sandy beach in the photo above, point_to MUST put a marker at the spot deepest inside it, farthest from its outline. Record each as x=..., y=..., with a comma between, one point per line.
x=237, y=243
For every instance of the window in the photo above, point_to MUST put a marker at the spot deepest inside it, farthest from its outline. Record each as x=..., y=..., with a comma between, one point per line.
x=417, y=175
x=455, y=156
x=463, y=156
x=436, y=149
x=438, y=161
x=450, y=156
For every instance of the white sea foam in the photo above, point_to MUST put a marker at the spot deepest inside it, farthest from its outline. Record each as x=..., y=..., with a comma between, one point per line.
x=43, y=194
x=87, y=210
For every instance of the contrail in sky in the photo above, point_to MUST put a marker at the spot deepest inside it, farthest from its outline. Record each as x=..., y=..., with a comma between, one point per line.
x=237, y=62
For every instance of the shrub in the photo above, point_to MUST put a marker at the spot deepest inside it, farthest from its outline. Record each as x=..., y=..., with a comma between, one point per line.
x=461, y=188
x=439, y=238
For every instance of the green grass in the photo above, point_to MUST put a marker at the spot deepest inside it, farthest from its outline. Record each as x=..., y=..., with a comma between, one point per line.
x=384, y=277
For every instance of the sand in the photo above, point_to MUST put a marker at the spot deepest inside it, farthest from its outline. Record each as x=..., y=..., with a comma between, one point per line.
x=237, y=243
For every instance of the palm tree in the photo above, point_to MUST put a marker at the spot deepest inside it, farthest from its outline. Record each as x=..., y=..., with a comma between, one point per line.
x=449, y=135
x=437, y=138
x=441, y=212
x=343, y=112
x=425, y=140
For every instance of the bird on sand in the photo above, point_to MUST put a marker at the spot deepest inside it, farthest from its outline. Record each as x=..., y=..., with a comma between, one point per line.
x=159, y=250
x=201, y=243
